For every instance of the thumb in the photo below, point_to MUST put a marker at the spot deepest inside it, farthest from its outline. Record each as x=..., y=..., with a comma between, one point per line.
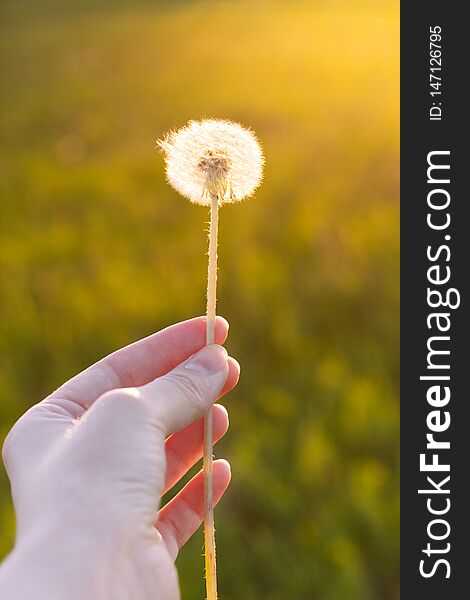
x=188, y=391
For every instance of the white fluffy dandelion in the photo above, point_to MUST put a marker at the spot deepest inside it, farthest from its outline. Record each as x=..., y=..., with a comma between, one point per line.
x=212, y=162
x=213, y=157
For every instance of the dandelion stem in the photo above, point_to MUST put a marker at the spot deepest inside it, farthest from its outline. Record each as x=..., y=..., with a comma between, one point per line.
x=209, y=531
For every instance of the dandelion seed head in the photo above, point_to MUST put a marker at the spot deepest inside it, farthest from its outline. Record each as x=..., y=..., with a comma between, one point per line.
x=213, y=158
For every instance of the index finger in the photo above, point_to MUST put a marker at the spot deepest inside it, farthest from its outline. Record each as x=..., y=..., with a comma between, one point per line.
x=140, y=362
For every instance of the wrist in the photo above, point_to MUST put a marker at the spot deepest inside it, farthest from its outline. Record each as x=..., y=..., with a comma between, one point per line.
x=48, y=564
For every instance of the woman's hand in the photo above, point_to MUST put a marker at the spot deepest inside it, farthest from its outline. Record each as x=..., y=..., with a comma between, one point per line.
x=89, y=464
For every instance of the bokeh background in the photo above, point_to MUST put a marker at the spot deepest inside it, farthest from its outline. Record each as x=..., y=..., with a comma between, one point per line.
x=97, y=251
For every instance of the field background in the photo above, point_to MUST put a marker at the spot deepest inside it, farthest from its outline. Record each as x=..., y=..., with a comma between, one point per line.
x=97, y=251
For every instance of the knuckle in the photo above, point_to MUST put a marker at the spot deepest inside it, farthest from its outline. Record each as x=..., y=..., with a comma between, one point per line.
x=7, y=450
x=192, y=389
x=11, y=444
x=122, y=399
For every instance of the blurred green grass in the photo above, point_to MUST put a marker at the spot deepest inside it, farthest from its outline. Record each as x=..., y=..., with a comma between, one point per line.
x=97, y=250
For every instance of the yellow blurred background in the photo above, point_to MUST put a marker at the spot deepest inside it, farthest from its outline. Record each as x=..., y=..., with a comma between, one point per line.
x=97, y=251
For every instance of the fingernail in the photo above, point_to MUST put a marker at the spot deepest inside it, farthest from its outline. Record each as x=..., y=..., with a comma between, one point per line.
x=211, y=359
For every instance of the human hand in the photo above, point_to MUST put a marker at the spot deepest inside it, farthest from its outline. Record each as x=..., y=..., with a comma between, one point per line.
x=89, y=464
